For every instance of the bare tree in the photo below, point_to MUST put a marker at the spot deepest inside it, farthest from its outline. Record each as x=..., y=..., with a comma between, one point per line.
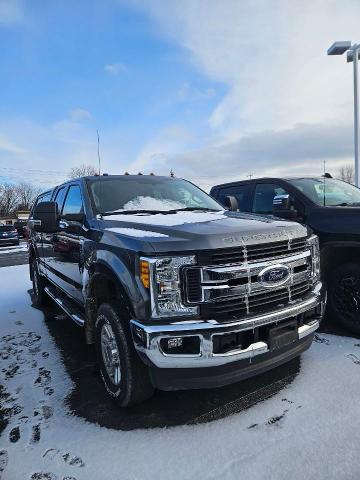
x=82, y=171
x=347, y=174
x=8, y=198
x=26, y=195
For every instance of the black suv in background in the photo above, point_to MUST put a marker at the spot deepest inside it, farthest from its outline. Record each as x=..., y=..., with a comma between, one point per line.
x=174, y=291
x=332, y=209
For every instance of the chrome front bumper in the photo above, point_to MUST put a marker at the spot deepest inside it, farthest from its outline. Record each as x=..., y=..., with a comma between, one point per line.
x=147, y=337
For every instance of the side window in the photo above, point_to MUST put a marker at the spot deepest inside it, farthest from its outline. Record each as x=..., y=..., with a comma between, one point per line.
x=46, y=197
x=264, y=196
x=73, y=202
x=240, y=192
x=59, y=197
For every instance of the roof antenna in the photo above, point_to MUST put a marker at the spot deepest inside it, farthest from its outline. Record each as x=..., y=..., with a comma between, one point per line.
x=100, y=180
x=98, y=151
x=324, y=183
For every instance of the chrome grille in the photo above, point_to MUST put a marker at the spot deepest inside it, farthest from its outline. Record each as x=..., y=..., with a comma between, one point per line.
x=257, y=303
x=235, y=290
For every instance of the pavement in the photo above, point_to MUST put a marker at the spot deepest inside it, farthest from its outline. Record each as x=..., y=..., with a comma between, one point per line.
x=89, y=401
x=13, y=255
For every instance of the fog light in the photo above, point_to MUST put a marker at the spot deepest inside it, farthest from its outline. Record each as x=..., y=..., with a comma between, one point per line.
x=188, y=345
x=174, y=342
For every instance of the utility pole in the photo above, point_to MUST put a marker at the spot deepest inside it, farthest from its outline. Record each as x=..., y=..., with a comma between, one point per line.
x=353, y=51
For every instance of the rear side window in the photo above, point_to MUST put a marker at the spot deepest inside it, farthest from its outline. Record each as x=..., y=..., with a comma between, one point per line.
x=240, y=192
x=59, y=197
x=264, y=196
x=73, y=202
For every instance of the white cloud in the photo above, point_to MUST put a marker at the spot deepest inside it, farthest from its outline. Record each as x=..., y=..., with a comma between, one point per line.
x=115, y=68
x=79, y=115
x=10, y=148
x=287, y=107
x=11, y=12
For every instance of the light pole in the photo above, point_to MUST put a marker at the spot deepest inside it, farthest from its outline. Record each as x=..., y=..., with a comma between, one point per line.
x=353, y=51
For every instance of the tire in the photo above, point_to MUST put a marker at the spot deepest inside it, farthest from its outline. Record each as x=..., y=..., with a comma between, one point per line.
x=344, y=296
x=125, y=377
x=40, y=297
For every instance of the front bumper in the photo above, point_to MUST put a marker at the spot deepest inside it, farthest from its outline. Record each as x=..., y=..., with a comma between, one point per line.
x=147, y=338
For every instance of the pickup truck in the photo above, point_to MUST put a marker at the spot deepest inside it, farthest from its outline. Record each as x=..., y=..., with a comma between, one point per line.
x=174, y=291
x=331, y=208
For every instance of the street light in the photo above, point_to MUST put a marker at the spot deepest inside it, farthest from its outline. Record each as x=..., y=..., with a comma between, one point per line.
x=353, y=51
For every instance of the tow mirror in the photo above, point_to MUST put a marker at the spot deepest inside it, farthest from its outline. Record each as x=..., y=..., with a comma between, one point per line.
x=45, y=217
x=282, y=207
x=231, y=203
x=75, y=217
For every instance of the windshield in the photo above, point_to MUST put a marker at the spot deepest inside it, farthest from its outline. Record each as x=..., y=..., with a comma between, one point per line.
x=330, y=192
x=148, y=194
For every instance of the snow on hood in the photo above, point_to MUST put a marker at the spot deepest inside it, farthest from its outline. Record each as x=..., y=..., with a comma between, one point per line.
x=134, y=232
x=169, y=220
x=151, y=203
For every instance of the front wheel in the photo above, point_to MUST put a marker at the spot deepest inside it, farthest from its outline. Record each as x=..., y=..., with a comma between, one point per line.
x=344, y=296
x=125, y=377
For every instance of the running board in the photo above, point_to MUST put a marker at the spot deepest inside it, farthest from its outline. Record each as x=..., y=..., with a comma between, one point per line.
x=70, y=309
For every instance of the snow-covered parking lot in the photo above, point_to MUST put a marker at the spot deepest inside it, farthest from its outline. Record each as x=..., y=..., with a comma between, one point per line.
x=309, y=429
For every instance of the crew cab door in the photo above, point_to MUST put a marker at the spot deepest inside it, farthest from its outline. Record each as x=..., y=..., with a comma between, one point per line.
x=36, y=238
x=241, y=192
x=264, y=193
x=63, y=258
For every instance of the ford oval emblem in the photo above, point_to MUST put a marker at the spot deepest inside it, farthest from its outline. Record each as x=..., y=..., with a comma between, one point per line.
x=274, y=275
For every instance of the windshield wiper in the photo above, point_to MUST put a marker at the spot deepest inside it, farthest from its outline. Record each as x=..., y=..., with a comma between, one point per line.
x=193, y=209
x=133, y=212
x=164, y=212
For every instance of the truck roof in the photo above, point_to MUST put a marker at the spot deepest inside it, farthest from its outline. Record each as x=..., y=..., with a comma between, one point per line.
x=299, y=177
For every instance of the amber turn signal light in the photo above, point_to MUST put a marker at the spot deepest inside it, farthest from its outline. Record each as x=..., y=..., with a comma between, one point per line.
x=145, y=273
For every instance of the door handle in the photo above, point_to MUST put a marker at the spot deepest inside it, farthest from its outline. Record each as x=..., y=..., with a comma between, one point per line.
x=63, y=224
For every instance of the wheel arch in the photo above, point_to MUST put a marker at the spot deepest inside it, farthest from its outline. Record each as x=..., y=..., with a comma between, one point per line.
x=108, y=281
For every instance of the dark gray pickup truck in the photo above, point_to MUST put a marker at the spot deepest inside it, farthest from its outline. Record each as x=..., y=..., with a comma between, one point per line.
x=174, y=291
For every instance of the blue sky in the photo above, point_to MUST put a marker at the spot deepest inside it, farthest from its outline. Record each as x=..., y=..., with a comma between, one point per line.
x=184, y=84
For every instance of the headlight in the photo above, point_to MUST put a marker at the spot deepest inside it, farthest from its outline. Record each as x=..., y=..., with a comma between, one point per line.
x=162, y=277
x=313, y=242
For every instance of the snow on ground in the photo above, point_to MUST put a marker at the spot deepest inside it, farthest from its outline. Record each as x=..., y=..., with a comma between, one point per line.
x=310, y=430
x=14, y=249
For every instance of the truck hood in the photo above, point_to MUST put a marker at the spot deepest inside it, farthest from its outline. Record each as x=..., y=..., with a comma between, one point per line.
x=186, y=231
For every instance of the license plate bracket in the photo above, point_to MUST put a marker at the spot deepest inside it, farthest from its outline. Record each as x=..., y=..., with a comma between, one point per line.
x=283, y=334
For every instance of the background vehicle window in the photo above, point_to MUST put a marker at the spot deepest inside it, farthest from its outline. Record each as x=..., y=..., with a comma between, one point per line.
x=264, y=196
x=59, y=197
x=73, y=202
x=328, y=192
x=240, y=192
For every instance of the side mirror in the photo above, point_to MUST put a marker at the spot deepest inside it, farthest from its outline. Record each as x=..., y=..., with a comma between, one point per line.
x=282, y=207
x=45, y=217
x=231, y=203
x=75, y=217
